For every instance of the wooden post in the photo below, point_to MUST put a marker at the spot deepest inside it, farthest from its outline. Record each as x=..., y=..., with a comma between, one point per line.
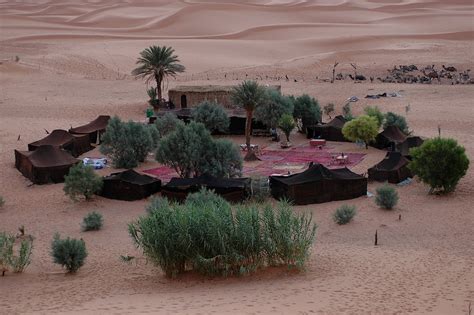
x=399, y=217
x=355, y=70
x=376, y=238
x=334, y=71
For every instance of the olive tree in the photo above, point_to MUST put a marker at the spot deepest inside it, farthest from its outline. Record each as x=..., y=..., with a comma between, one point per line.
x=274, y=108
x=212, y=115
x=363, y=128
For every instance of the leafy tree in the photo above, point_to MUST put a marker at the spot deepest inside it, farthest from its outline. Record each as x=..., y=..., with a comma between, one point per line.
x=82, y=180
x=347, y=112
x=157, y=63
x=374, y=111
x=249, y=95
x=92, y=222
x=362, y=128
x=306, y=111
x=127, y=143
x=329, y=109
x=276, y=106
x=191, y=151
x=212, y=115
x=344, y=214
x=387, y=197
x=69, y=253
x=287, y=124
x=440, y=163
x=167, y=123
x=392, y=119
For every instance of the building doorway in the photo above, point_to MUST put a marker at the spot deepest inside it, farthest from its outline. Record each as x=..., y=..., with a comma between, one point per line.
x=184, y=101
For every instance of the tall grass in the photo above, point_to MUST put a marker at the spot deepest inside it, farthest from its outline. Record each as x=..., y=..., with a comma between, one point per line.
x=206, y=235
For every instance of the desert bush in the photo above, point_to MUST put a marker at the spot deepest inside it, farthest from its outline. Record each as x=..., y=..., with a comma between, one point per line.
x=328, y=109
x=212, y=115
x=306, y=111
x=127, y=143
x=205, y=234
x=191, y=151
x=275, y=106
x=344, y=214
x=440, y=163
x=156, y=202
x=167, y=124
x=153, y=101
x=374, y=111
x=82, y=181
x=347, y=112
x=92, y=222
x=392, y=119
x=386, y=197
x=8, y=259
x=287, y=124
x=362, y=128
x=2, y=202
x=69, y=253
x=259, y=189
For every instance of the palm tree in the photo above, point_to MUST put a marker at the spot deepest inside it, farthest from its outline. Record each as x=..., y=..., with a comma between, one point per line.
x=249, y=95
x=157, y=63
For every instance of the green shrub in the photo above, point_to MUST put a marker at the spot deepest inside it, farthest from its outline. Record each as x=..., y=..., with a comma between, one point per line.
x=440, y=163
x=392, y=119
x=374, y=111
x=363, y=128
x=275, y=106
x=212, y=115
x=287, y=124
x=386, y=197
x=328, y=109
x=127, y=143
x=82, y=181
x=69, y=253
x=347, y=112
x=259, y=189
x=153, y=101
x=8, y=259
x=2, y=201
x=205, y=234
x=92, y=222
x=167, y=124
x=344, y=214
x=306, y=111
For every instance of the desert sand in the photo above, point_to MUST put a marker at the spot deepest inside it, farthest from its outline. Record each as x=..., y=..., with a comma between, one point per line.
x=75, y=59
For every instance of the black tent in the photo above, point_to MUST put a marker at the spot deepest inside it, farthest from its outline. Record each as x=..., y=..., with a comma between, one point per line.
x=46, y=164
x=410, y=142
x=318, y=184
x=231, y=189
x=129, y=185
x=237, y=125
x=389, y=138
x=94, y=129
x=75, y=144
x=332, y=131
x=393, y=168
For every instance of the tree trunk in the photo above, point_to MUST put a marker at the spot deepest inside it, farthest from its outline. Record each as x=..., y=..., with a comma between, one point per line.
x=248, y=129
x=158, y=89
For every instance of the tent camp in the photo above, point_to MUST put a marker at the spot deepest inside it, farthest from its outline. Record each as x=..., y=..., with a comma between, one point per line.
x=393, y=168
x=46, y=164
x=332, y=131
x=237, y=125
x=94, y=129
x=231, y=189
x=129, y=185
x=410, y=142
x=318, y=184
x=75, y=144
x=389, y=138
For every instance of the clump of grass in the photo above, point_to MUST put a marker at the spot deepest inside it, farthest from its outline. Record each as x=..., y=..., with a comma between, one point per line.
x=93, y=221
x=344, y=214
x=387, y=197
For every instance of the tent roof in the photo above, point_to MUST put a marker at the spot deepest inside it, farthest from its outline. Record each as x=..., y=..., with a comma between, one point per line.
x=317, y=172
x=49, y=156
x=100, y=123
x=392, y=161
x=393, y=133
x=337, y=122
x=208, y=180
x=57, y=137
x=131, y=176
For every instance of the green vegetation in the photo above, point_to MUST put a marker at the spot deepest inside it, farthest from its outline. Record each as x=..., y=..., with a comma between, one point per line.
x=329, y=109
x=82, y=181
x=374, y=111
x=153, y=101
x=69, y=253
x=206, y=235
x=392, y=119
x=306, y=112
x=259, y=189
x=347, y=112
x=93, y=221
x=344, y=214
x=212, y=116
x=274, y=108
x=363, y=128
x=386, y=197
x=157, y=63
x=440, y=163
x=287, y=124
x=166, y=124
x=9, y=261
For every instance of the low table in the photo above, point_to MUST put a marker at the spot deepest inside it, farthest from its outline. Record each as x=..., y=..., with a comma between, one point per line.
x=317, y=142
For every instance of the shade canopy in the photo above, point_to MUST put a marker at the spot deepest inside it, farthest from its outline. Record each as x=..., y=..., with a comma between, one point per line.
x=75, y=144
x=129, y=185
x=94, y=129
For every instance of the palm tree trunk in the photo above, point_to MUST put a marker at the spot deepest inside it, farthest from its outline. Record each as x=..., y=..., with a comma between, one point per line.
x=158, y=88
x=248, y=129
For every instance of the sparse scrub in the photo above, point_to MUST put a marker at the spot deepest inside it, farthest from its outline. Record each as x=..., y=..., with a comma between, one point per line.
x=347, y=112
x=386, y=197
x=93, y=221
x=82, y=181
x=344, y=214
x=328, y=109
x=69, y=253
x=206, y=235
x=8, y=259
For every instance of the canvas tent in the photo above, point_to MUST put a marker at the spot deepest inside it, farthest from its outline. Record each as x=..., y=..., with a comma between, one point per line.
x=231, y=189
x=129, y=185
x=318, y=184
x=75, y=144
x=94, y=129
x=389, y=138
x=393, y=168
x=410, y=142
x=46, y=164
x=332, y=131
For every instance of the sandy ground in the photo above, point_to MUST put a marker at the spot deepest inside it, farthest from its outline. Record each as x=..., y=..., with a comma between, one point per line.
x=75, y=58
